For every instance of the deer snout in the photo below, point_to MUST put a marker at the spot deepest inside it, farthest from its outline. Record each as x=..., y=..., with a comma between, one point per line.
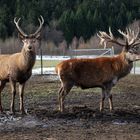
x=29, y=47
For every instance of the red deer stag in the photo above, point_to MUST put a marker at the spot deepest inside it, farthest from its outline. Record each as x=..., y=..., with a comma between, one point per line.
x=18, y=67
x=103, y=72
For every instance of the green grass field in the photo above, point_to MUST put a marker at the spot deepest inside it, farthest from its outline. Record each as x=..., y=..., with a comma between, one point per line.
x=138, y=64
x=46, y=63
x=53, y=63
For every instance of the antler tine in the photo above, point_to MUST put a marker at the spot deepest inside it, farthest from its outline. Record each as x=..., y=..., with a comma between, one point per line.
x=102, y=40
x=41, y=22
x=131, y=34
x=105, y=38
x=122, y=33
x=136, y=39
x=133, y=38
x=128, y=31
x=19, y=29
x=111, y=35
x=137, y=34
x=128, y=35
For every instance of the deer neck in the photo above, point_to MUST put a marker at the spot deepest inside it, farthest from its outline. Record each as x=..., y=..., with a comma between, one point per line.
x=27, y=59
x=123, y=66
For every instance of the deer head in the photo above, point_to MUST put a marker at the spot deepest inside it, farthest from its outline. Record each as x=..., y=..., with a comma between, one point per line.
x=29, y=41
x=130, y=45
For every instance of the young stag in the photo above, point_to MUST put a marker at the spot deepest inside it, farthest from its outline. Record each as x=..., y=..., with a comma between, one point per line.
x=102, y=72
x=18, y=67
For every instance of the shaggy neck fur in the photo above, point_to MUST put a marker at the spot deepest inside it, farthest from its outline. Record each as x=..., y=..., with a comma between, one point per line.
x=28, y=59
x=123, y=66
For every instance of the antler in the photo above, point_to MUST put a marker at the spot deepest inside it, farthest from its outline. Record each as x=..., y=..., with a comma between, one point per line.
x=131, y=37
x=105, y=38
x=19, y=29
x=41, y=21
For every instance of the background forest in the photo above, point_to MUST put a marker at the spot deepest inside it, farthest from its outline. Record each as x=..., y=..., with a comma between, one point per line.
x=67, y=20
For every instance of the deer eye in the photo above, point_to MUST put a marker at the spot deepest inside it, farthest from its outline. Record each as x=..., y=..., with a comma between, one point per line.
x=130, y=51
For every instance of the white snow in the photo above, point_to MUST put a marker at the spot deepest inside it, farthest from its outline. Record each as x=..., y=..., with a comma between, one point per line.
x=51, y=70
x=48, y=57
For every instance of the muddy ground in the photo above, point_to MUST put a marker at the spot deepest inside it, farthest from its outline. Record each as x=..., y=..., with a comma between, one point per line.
x=82, y=119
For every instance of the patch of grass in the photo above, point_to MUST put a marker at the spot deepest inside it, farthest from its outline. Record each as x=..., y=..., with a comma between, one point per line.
x=137, y=64
x=46, y=63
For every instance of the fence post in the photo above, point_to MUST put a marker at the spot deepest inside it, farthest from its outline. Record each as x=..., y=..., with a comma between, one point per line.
x=41, y=60
x=134, y=67
x=112, y=51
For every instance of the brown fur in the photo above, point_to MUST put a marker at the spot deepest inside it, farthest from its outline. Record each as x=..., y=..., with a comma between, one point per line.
x=93, y=72
x=18, y=67
x=101, y=72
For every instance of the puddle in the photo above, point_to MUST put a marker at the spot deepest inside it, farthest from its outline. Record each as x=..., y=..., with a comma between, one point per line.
x=10, y=122
x=119, y=122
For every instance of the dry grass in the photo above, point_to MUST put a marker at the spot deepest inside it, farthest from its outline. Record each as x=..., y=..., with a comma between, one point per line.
x=12, y=45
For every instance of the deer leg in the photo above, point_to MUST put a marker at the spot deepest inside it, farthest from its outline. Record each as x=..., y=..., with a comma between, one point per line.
x=59, y=96
x=2, y=85
x=110, y=102
x=61, y=105
x=109, y=95
x=13, y=88
x=66, y=89
x=59, y=92
x=21, y=92
x=102, y=100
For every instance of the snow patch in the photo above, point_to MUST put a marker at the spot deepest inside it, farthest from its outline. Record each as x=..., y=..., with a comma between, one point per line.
x=51, y=70
x=10, y=122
